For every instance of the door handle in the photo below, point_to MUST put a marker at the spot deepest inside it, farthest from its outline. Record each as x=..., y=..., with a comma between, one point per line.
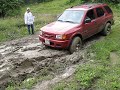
x=95, y=22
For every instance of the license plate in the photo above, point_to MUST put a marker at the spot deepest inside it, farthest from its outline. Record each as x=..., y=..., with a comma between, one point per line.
x=47, y=41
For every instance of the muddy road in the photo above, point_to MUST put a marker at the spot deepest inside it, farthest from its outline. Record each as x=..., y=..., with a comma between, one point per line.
x=27, y=57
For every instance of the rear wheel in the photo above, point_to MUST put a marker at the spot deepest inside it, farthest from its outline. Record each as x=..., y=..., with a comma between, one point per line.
x=75, y=45
x=107, y=29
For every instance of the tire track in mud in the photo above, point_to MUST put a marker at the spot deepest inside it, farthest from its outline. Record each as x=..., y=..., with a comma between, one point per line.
x=16, y=64
x=26, y=57
x=77, y=58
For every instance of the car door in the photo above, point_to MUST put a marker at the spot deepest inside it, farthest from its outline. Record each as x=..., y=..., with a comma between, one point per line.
x=100, y=19
x=108, y=14
x=89, y=27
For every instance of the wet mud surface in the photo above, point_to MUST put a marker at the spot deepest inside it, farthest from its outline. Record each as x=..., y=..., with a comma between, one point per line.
x=28, y=57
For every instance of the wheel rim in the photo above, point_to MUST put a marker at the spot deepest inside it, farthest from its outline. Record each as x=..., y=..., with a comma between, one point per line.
x=108, y=29
x=75, y=45
x=78, y=46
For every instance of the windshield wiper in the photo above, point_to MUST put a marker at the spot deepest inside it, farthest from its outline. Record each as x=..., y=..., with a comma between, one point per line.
x=69, y=21
x=66, y=21
x=60, y=20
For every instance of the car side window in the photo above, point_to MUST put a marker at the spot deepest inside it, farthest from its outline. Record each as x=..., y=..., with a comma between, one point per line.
x=90, y=14
x=100, y=12
x=108, y=9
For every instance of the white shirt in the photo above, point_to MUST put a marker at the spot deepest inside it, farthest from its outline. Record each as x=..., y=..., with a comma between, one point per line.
x=28, y=18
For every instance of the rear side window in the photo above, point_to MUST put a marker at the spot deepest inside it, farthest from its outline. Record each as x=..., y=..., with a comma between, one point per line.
x=100, y=12
x=108, y=9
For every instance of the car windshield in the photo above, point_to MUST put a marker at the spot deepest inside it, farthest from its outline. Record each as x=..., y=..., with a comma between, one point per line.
x=72, y=16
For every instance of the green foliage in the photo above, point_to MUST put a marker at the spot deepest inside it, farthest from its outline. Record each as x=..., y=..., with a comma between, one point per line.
x=9, y=7
x=35, y=1
x=109, y=81
x=27, y=83
x=9, y=29
x=78, y=1
x=89, y=1
x=83, y=78
x=14, y=27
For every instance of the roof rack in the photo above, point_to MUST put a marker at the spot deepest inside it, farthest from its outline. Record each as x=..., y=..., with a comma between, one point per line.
x=90, y=5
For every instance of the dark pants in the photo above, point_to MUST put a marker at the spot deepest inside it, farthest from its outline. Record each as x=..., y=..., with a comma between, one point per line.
x=32, y=27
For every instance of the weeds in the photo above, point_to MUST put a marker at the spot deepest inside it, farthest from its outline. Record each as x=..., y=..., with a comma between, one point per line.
x=28, y=83
x=14, y=27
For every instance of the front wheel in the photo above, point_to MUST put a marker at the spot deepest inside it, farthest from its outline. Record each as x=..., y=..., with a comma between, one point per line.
x=106, y=31
x=75, y=44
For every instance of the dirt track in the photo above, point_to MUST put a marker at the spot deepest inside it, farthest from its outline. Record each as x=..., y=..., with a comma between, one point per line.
x=28, y=57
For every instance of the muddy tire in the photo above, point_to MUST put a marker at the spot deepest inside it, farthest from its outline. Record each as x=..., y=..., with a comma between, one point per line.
x=106, y=31
x=75, y=45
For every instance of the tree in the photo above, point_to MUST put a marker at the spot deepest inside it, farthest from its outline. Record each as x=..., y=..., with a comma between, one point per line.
x=35, y=1
x=9, y=7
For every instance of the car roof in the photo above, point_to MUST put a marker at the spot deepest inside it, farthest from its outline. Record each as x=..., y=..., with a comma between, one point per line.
x=86, y=6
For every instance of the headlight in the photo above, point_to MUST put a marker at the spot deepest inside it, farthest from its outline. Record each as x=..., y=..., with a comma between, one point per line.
x=41, y=32
x=60, y=36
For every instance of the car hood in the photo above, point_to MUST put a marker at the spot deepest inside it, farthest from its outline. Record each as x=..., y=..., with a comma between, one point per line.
x=58, y=27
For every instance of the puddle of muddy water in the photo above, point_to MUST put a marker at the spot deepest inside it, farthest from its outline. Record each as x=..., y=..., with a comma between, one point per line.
x=4, y=49
x=7, y=50
x=1, y=47
x=31, y=46
x=30, y=54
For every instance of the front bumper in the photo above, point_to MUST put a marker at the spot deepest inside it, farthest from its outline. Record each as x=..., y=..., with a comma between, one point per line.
x=55, y=43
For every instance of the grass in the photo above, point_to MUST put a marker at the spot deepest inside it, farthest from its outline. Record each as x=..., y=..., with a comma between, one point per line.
x=27, y=83
x=14, y=27
x=83, y=78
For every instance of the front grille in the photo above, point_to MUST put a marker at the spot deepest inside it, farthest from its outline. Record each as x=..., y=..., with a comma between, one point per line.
x=47, y=35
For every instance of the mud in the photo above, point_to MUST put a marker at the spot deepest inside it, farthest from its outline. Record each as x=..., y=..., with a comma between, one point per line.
x=27, y=57
x=46, y=84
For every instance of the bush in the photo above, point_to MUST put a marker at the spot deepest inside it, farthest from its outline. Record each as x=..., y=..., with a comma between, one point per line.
x=35, y=1
x=9, y=7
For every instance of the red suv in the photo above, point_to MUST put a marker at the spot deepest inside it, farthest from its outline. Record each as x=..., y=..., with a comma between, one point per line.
x=77, y=24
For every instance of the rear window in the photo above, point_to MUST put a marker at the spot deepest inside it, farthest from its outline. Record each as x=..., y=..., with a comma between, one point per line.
x=108, y=9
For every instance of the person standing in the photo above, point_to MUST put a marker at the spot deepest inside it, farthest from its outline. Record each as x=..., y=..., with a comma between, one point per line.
x=29, y=20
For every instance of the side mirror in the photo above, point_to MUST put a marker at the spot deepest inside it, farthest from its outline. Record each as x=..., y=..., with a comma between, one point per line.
x=87, y=20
